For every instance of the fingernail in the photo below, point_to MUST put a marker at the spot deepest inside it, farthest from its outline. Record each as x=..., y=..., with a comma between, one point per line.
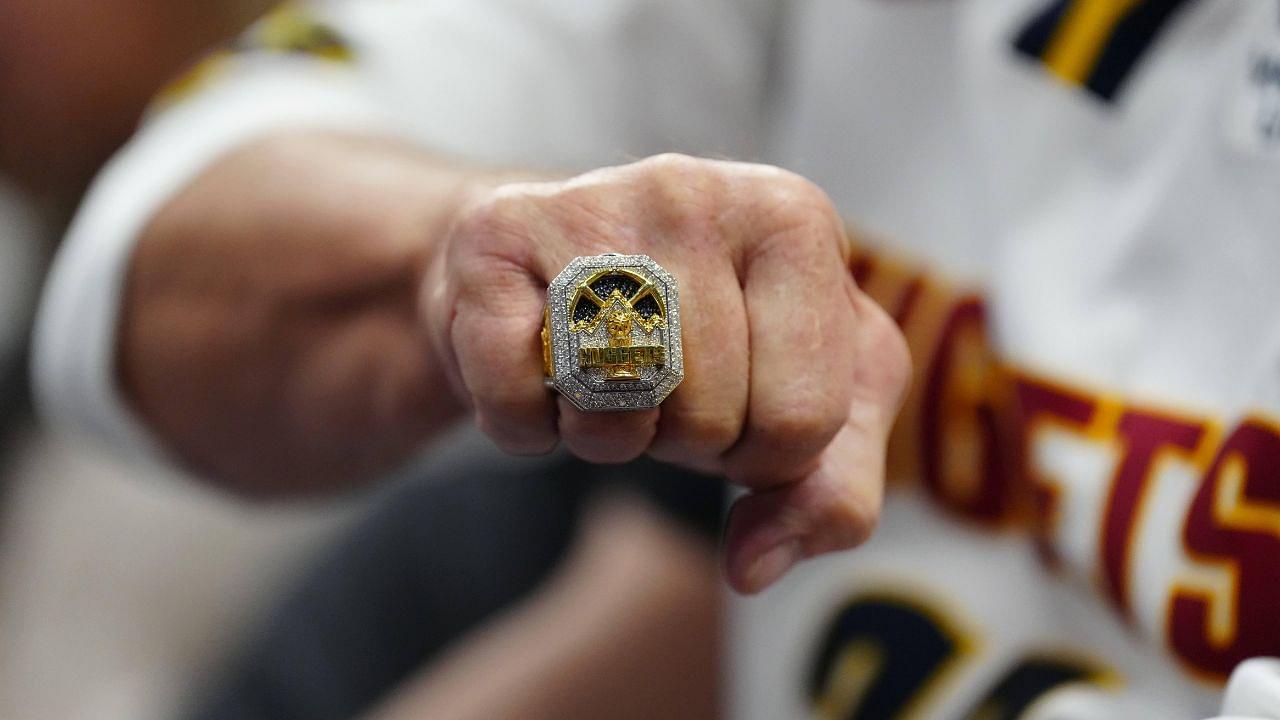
x=773, y=564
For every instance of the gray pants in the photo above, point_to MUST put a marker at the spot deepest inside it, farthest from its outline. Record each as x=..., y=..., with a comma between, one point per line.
x=435, y=559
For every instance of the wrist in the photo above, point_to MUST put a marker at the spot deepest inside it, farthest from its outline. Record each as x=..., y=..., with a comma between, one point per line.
x=302, y=357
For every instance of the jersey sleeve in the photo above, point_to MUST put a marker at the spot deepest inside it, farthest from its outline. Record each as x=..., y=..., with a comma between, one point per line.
x=550, y=83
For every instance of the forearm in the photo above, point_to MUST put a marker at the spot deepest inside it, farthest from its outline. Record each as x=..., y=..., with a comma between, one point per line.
x=313, y=308
x=629, y=627
x=270, y=335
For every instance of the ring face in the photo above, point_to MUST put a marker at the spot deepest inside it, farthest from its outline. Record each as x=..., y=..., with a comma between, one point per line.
x=611, y=333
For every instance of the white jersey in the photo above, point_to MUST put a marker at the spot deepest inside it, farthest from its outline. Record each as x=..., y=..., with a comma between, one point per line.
x=1081, y=205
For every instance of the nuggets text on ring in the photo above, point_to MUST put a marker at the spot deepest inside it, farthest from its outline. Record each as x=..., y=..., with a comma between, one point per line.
x=611, y=333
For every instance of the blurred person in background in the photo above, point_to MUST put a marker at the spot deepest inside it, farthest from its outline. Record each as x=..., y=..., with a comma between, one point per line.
x=19, y=253
x=113, y=579
x=75, y=78
x=278, y=287
x=70, y=99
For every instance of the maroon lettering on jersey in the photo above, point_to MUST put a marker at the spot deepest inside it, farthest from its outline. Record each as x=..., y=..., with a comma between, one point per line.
x=1043, y=402
x=962, y=454
x=1145, y=435
x=1234, y=523
x=969, y=430
x=907, y=302
x=860, y=267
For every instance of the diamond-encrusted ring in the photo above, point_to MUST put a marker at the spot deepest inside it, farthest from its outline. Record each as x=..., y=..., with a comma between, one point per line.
x=611, y=333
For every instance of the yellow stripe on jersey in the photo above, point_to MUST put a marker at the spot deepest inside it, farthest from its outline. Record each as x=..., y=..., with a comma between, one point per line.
x=290, y=29
x=1095, y=44
x=199, y=76
x=287, y=29
x=1085, y=28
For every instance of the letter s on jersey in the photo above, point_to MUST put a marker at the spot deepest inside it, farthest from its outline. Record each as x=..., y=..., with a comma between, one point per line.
x=1233, y=523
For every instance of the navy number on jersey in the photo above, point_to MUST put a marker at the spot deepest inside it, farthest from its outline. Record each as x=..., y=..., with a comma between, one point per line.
x=1095, y=44
x=883, y=657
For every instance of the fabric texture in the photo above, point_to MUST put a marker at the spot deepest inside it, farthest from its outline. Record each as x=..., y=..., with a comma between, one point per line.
x=434, y=560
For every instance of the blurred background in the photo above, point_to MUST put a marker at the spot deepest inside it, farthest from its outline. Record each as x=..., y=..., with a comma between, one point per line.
x=118, y=584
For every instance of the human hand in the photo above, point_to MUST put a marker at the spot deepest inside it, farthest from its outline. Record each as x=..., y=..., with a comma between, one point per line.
x=792, y=375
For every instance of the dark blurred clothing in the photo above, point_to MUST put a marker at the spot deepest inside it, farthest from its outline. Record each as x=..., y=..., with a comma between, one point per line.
x=15, y=400
x=433, y=561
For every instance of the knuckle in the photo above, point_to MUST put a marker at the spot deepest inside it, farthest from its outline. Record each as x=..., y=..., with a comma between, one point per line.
x=803, y=194
x=716, y=433
x=793, y=206
x=489, y=285
x=491, y=214
x=840, y=514
x=707, y=433
x=685, y=191
x=671, y=163
x=493, y=225
x=806, y=422
x=850, y=519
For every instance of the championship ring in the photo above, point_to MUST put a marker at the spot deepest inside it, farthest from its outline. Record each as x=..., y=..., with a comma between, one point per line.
x=611, y=333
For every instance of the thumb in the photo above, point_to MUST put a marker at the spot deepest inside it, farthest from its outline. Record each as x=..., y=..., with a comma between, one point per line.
x=836, y=506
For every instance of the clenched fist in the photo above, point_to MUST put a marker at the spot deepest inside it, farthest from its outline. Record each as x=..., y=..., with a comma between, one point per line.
x=363, y=295
x=792, y=377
